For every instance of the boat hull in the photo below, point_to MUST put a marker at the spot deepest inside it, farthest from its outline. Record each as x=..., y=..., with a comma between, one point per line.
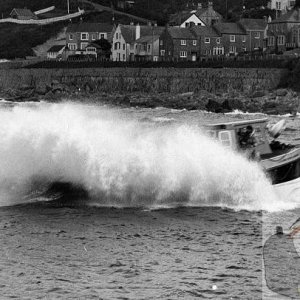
x=289, y=190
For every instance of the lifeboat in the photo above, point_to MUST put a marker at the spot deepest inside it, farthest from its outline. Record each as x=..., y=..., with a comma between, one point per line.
x=280, y=161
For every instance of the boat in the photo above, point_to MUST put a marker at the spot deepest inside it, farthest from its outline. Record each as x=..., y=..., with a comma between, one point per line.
x=280, y=161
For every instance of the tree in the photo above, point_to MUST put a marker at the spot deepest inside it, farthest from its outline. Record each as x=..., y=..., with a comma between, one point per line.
x=297, y=4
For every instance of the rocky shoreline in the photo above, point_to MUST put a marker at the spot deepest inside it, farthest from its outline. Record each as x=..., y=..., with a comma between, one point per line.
x=280, y=101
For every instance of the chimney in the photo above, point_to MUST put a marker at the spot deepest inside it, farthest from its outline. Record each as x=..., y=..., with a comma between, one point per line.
x=137, y=31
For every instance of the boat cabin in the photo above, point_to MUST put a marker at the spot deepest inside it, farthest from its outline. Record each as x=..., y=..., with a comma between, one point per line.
x=230, y=134
x=281, y=161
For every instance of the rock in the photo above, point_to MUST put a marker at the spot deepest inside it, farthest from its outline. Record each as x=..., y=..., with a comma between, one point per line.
x=41, y=89
x=50, y=96
x=258, y=94
x=232, y=104
x=214, y=106
x=88, y=88
x=270, y=108
x=125, y=100
x=25, y=87
x=58, y=87
x=54, y=81
x=33, y=99
x=281, y=92
x=186, y=95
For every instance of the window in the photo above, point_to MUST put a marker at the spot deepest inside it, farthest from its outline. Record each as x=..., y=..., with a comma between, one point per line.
x=256, y=35
x=183, y=54
x=72, y=46
x=93, y=36
x=218, y=50
x=162, y=52
x=278, y=5
x=225, y=138
x=194, y=42
x=232, y=49
x=218, y=40
x=102, y=36
x=183, y=42
x=90, y=49
x=161, y=42
x=70, y=36
x=124, y=46
x=244, y=39
x=271, y=41
x=124, y=57
x=207, y=40
x=149, y=48
x=280, y=40
x=84, y=36
x=83, y=46
x=117, y=35
x=232, y=38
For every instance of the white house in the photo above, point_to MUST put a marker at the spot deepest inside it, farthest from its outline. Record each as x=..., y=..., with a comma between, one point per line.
x=200, y=16
x=124, y=38
x=281, y=5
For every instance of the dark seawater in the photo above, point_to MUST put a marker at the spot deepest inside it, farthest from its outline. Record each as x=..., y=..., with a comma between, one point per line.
x=106, y=253
x=189, y=221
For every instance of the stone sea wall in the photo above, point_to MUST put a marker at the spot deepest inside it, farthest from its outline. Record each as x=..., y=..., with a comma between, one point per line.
x=215, y=90
x=164, y=80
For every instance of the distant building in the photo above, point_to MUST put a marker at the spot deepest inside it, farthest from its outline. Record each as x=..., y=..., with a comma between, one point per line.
x=55, y=52
x=201, y=16
x=147, y=48
x=234, y=37
x=125, y=4
x=281, y=5
x=178, y=44
x=284, y=32
x=125, y=37
x=100, y=49
x=210, y=41
x=256, y=30
x=79, y=36
x=23, y=14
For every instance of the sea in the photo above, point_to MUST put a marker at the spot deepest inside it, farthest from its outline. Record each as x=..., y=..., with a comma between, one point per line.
x=101, y=202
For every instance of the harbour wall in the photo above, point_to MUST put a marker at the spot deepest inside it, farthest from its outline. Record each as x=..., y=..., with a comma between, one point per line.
x=152, y=80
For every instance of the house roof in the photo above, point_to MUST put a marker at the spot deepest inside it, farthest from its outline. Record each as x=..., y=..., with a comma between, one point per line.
x=205, y=31
x=181, y=33
x=253, y=24
x=24, y=12
x=292, y=16
x=229, y=28
x=129, y=31
x=90, y=27
x=147, y=39
x=56, y=48
x=201, y=13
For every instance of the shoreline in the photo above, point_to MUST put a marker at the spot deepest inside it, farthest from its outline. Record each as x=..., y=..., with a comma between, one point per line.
x=276, y=102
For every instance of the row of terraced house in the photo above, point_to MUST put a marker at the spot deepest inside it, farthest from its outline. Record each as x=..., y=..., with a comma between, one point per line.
x=190, y=35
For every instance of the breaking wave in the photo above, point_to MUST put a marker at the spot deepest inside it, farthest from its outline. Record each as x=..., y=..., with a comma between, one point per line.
x=121, y=162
